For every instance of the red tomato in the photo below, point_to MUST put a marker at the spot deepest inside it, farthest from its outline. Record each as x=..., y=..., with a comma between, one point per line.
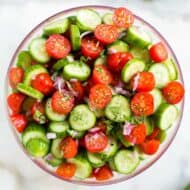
x=150, y=146
x=79, y=89
x=66, y=170
x=116, y=61
x=15, y=101
x=142, y=104
x=15, y=76
x=154, y=134
x=100, y=95
x=96, y=142
x=137, y=135
x=58, y=46
x=103, y=173
x=106, y=33
x=158, y=52
x=43, y=83
x=101, y=75
x=173, y=92
x=69, y=147
x=91, y=47
x=38, y=112
x=62, y=103
x=19, y=121
x=123, y=17
x=143, y=82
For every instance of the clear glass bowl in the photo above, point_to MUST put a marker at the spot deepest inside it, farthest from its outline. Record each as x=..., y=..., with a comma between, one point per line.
x=156, y=36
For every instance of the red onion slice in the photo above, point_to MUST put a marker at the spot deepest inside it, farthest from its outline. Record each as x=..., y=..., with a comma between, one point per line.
x=51, y=135
x=85, y=34
x=136, y=81
x=59, y=83
x=94, y=130
x=127, y=128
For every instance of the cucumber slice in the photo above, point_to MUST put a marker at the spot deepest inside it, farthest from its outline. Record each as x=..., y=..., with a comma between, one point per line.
x=126, y=161
x=98, y=113
x=60, y=128
x=137, y=37
x=76, y=70
x=157, y=96
x=82, y=118
x=38, y=51
x=100, y=60
x=162, y=136
x=95, y=159
x=62, y=62
x=29, y=91
x=37, y=147
x=57, y=27
x=24, y=60
x=32, y=71
x=131, y=68
x=140, y=53
x=75, y=37
x=112, y=164
x=33, y=131
x=75, y=134
x=54, y=161
x=118, y=109
x=53, y=116
x=122, y=139
x=88, y=19
x=55, y=149
x=149, y=125
x=110, y=150
x=118, y=46
x=172, y=69
x=83, y=167
x=161, y=75
x=165, y=116
x=108, y=18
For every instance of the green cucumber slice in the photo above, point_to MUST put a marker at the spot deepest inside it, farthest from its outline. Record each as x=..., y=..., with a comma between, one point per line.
x=60, y=128
x=140, y=53
x=72, y=19
x=88, y=19
x=162, y=136
x=118, y=110
x=112, y=164
x=100, y=60
x=55, y=148
x=137, y=37
x=62, y=62
x=131, y=68
x=118, y=46
x=110, y=150
x=33, y=131
x=51, y=115
x=75, y=37
x=82, y=118
x=161, y=74
x=57, y=27
x=148, y=121
x=165, y=116
x=122, y=139
x=38, y=51
x=172, y=69
x=37, y=147
x=157, y=96
x=76, y=70
x=83, y=167
x=24, y=60
x=54, y=161
x=75, y=134
x=126, y=161
x=29, y=91
x=108, y=18
x=95, y=159
x=32, y=71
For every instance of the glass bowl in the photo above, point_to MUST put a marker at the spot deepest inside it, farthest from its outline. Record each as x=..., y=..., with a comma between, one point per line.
x=156, y=36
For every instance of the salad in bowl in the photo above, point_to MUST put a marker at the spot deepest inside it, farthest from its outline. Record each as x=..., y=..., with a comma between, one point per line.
x=95, y=95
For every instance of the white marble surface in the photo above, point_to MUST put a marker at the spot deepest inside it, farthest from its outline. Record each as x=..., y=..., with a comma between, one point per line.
x=172, y=18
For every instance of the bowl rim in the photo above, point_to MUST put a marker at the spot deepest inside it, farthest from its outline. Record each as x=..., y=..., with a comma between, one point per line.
x=36, y=162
